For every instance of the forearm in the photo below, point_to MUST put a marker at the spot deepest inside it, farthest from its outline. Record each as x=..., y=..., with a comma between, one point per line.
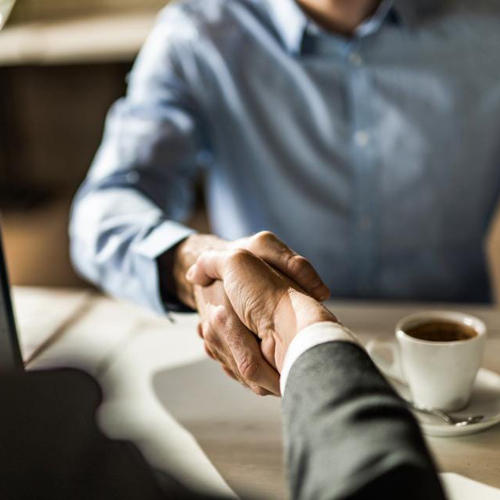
x=116, y=237
x=118, y=250
x=348, y=435
x=127, y=213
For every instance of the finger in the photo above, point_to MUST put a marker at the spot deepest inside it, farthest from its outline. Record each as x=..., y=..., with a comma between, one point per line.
x=211, y=265
x=268, y=349
x=254, y=388
x=212, y=343
x=216, y=347
x=251, y=365
x=261, y=392
x=229, y=372
x=270, y=248
x=206, y=269
x=227, y=364
x=245, y=359
x=199, y=329
x=209, y=352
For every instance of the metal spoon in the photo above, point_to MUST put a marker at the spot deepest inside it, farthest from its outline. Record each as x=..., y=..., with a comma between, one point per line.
x=450, y=419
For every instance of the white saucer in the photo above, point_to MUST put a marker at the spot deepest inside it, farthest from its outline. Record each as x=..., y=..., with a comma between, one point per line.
x=485, y=401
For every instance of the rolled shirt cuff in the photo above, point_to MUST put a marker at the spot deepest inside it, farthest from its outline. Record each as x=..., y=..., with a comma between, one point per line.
x=161, y=239
x=309, y=337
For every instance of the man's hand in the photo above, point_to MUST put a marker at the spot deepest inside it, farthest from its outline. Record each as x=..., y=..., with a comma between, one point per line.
x=268, y=303
x=264, y=245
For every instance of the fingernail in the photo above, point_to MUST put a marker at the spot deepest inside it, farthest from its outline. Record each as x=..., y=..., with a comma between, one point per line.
x=321, y=292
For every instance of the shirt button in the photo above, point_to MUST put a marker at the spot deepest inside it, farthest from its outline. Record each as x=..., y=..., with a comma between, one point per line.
x=362, y=138
x=355, y=58
x=204, y=158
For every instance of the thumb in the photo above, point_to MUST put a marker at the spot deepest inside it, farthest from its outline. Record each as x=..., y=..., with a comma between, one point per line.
x=207, y=269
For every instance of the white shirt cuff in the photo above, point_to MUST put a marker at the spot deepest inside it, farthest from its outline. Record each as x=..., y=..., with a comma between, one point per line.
x=311, y=336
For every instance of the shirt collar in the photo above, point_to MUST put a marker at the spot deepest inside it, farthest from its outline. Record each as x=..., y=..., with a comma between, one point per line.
x=292, y=22
x=373, y=23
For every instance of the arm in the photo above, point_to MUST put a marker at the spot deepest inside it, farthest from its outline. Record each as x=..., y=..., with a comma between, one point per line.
x=128, y=211
x=347, y=434
x=126, y=225
x=126, y=229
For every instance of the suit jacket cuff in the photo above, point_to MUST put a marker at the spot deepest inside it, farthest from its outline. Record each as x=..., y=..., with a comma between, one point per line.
x=309, y=337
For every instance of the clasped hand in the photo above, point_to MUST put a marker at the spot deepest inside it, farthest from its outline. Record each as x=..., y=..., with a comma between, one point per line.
x=251, y=307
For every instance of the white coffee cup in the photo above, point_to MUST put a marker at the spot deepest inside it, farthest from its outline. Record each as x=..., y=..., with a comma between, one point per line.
x=440, y=374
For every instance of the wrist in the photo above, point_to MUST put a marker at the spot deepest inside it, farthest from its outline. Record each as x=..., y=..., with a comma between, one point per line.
x=185, y=255
x=296, y=311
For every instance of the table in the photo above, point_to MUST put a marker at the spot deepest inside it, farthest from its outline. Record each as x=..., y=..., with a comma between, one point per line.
x=155, y=376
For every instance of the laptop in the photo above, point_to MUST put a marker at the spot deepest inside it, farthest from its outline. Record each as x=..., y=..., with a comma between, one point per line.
x=10, y=350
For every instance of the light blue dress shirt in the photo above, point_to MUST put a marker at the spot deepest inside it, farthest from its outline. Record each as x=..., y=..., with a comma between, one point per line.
x=377, y=157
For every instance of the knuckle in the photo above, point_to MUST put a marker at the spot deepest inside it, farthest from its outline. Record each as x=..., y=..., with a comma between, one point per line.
x=205, y=330
x=249, y=368
x=208, y=351
x=299, y=265
x=259, y=391
x=263, y=237
x=218, y=318
x=238, y=256
x=261, y=240
x=210, y=337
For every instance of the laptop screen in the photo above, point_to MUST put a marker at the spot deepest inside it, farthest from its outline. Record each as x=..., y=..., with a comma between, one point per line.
x=10, y=354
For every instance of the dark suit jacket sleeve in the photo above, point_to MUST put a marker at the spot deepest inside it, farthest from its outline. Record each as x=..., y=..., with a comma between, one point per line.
x=348, y=435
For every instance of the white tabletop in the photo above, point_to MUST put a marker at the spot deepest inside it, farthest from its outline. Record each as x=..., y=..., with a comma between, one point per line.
x=155, y=376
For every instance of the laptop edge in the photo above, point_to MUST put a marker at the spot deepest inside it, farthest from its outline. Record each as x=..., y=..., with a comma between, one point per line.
x=10, y=350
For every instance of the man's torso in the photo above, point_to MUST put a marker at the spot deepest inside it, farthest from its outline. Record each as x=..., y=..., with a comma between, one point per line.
x=377, y=157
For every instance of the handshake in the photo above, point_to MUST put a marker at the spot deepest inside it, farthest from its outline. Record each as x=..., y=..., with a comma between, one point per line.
x=254, y=295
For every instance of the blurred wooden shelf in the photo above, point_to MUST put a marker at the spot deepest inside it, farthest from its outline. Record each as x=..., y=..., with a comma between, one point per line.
x=99, y=37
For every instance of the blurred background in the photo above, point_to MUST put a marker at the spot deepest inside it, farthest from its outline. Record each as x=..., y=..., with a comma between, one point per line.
x=62, y=64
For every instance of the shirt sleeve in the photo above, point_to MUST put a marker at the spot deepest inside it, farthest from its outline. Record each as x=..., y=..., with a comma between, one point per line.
x=309, y=337
x=139, y=190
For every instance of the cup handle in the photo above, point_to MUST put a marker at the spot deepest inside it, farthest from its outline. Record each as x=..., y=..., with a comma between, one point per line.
x=391, y=369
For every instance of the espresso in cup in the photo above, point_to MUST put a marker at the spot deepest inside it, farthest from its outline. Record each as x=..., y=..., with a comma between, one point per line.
x=440, y=353
x=441, y=331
